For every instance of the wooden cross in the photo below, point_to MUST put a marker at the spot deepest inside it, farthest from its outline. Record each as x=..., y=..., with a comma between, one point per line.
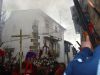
x=20, y=53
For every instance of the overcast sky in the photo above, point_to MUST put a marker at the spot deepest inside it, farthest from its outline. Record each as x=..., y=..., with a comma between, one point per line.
x=59, y=10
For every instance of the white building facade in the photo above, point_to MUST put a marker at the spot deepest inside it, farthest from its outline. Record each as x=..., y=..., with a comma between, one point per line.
x=1, y=1
x=49, y=32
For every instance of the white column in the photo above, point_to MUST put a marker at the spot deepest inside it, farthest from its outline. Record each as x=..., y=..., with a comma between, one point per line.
x=61, y=56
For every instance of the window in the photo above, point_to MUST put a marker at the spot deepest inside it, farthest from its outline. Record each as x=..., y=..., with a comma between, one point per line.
x=56, y=30
x=33, y=40
x=35, y=35
x=38, y=37
x=33, y=47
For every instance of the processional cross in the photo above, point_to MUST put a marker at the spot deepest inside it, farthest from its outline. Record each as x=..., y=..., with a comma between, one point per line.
x=20, y=53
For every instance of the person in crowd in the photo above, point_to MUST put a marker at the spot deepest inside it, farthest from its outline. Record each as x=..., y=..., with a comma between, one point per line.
x=60, y=69
x=82, y=64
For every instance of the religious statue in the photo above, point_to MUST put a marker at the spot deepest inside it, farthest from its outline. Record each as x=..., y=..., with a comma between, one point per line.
x=45, y=50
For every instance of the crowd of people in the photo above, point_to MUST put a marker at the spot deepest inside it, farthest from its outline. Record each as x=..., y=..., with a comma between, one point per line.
x=86, y=62
x=43, y=66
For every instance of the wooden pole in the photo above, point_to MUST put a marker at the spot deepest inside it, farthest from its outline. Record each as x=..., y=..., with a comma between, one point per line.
x=20, y=51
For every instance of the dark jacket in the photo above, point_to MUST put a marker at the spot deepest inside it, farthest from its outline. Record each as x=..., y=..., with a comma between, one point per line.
x=89, y=67
x=80, y=58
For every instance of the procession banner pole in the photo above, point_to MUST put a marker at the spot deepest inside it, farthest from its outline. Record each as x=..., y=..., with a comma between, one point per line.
x=20, y=51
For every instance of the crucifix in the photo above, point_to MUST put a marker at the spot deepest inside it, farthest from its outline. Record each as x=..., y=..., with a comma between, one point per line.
x=21, y=52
